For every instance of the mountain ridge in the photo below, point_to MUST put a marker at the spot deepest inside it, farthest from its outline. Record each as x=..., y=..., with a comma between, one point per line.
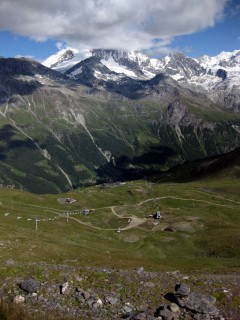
x=217, y=77
x=59, y=133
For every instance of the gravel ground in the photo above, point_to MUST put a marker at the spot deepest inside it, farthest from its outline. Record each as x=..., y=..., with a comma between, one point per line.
x=91, y=293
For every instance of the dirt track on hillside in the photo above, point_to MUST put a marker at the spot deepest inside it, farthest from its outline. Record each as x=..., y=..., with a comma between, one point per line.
x=135, y=221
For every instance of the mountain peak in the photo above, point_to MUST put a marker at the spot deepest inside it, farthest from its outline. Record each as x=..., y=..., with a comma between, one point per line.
x=209, y=75
x=108, y=53
x=65, y=59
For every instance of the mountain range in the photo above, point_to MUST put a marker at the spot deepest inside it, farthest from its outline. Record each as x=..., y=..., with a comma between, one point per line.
x=105, y=115
x=217, y=77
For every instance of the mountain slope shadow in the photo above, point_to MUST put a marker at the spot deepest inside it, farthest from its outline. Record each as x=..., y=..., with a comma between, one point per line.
x=145, y=165
x=9, y=143
x=198, y=169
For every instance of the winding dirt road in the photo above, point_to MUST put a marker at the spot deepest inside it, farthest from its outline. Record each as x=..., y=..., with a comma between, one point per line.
x=136, y=221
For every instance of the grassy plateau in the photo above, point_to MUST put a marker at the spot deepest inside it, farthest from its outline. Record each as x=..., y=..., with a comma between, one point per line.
x=199, y=229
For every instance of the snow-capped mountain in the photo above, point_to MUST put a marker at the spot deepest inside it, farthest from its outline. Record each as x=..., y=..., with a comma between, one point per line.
x=221, y=80
x=65, y=59
x=218, y=77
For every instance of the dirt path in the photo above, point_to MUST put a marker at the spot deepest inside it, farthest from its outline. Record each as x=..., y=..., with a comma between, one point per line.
x=191, y=199
x=213, y=195
x=134, y=221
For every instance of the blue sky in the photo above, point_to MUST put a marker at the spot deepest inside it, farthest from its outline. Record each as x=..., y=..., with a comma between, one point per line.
x=196, y=28
x=224, y=36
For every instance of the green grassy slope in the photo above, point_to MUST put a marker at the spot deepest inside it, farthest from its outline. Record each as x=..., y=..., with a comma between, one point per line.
x=203, y=215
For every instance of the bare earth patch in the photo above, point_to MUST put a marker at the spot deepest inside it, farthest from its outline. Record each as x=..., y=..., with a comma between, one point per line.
x=130, y=238
x=191, y=218
x=66, y=200
x=183, y=226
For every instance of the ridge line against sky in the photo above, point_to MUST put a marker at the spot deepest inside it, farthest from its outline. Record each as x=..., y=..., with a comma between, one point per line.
x=38, y=29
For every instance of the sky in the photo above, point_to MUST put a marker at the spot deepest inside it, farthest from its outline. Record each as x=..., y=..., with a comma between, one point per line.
x=38, y=29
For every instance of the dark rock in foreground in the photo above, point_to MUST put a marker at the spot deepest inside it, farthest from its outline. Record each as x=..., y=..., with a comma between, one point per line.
x=29, y=285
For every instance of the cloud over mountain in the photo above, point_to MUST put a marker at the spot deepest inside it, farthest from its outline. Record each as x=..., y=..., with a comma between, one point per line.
x=128, y=24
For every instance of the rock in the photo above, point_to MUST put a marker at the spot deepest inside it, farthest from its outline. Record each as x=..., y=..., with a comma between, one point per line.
x=41, y=298
x=140, y=316
x=80, y=299
x=86, y=295
x=97, y=304
x=174, y=307
x=111, y=300
x=199, y=303
x=127, y=308
x=149, y=284
x=221, y=73
x=140, y=270
x=94, y=304
x=90, y=302
x=137, y=316
x=182, y=290
x=18, y=299
x=64, y=287
x=166, y=314
x=30, y=285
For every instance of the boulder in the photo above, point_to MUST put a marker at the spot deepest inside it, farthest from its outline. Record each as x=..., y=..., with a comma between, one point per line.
x=127, y=309
x=137, y=316
x=165, y=313
x=111, y=300
x=29, y=285
x=98, y=303
x=18, y=299
x=94, y=304
x=182, y=291
x=64, y=287
x=86, y=295
x=173, y=307
x=198, y=302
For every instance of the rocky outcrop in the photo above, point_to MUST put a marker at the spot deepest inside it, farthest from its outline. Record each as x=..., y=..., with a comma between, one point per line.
x=196, y=302
x=188, y=305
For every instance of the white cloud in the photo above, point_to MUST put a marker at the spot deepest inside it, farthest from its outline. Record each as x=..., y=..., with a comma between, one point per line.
x=125, y=24
x=60, y=45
